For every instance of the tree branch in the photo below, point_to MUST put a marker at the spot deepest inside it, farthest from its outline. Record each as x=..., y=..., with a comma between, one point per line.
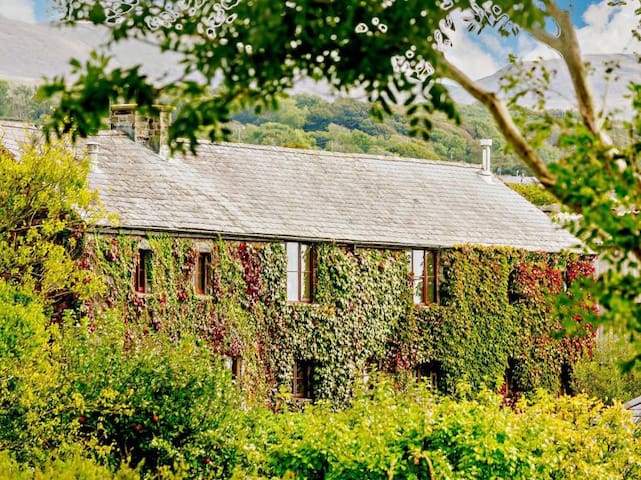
x=546, y=38
x=567, y=44
x=504, y=121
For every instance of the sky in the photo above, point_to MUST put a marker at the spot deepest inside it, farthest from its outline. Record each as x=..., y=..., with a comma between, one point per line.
x=601, y=29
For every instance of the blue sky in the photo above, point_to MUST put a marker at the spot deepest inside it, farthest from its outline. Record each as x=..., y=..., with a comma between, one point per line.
x=37, y=9
x=601, y=29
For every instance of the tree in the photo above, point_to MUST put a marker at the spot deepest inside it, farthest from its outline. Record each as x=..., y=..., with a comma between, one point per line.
x=42, y=198
x=4, y=97
x=392, y=52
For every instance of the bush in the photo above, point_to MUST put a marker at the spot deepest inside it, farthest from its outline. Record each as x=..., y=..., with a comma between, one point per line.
x=416, y=435
x=73, y=468
x=150, y=401
x=600, y=374
x=534, y=193
x=145, y=401
x=32, y=396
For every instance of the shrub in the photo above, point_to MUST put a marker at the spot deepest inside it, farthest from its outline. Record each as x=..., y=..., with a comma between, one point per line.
x=42, y=197
x=534, y=193
x=415, y=435
x=599, y=373
x=149, y=401
x=32, y=397
x=73, y=468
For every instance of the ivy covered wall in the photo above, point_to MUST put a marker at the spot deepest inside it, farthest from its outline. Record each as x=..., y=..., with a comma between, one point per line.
x=495, y=312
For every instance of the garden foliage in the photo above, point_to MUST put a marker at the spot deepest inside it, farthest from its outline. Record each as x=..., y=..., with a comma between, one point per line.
x=387, y=434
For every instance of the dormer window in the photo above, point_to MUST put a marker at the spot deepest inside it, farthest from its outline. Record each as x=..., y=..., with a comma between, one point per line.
x=202, y=273
x=424, y=272
x=142, y=274
x=301, y=266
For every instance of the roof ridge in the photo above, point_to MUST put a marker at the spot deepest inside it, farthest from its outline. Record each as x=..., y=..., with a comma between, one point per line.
x=6, y=123
x=327, y=153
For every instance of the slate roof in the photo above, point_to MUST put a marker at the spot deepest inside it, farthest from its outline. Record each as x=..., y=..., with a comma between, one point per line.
x=15, y=134
x=258, y=192
x=634, y=406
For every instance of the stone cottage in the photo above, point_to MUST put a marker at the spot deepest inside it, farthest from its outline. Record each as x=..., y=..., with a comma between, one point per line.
x=306, y=270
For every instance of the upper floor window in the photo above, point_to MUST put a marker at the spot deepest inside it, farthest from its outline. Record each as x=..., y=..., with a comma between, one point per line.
x=424, y=270
x=301, y=265
x=142, y=275
x=302, y=379
x=201, y=273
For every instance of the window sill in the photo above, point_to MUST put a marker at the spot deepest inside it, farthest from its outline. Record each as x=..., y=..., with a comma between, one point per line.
x=302, y=302
x=421, y=306
x=144, y=294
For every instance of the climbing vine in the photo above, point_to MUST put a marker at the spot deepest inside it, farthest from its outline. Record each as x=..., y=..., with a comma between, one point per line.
x=496, y=315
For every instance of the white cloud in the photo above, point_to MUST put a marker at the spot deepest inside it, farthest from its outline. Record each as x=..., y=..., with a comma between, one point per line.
x=608, y=29
x=22, y=10
x=470, y=52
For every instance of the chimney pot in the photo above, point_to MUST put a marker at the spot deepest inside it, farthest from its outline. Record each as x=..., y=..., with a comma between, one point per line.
x=92, y=151
x=486, y=144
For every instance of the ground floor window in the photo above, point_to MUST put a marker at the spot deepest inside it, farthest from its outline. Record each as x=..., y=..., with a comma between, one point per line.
x=429, y=372
x=302, y=379
x=142, y=274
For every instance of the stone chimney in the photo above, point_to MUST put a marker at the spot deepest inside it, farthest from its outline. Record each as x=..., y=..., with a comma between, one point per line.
x=151, y=130
x=486, y=145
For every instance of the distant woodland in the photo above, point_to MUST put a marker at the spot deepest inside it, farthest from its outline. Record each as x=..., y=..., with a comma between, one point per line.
x=342, y=125
x=20, y=102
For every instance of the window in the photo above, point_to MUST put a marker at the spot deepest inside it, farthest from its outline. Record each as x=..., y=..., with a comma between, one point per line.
x=201, y=273
x=235, y=366
x=302, y=379
x=429, y=372
x=424, y=269
x=301, y=265
x=142, y=275
x=509, y=379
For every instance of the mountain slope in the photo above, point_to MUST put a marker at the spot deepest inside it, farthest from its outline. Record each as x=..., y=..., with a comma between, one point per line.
x=28, y=52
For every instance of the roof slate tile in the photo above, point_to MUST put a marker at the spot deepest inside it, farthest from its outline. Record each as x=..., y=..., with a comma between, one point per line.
x=271, y=192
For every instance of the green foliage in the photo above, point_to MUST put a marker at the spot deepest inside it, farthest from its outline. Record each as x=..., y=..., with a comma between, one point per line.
x=345, y=125
x=389, y=434
x=293, y=40
x=20, y=102
x=496, y=304
x=72, y=468
x=276, y=134
x=534, y=193
x=599, y=372
x=143, y=398
x=42, y=198
x=32, y=394
x=120, y=398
